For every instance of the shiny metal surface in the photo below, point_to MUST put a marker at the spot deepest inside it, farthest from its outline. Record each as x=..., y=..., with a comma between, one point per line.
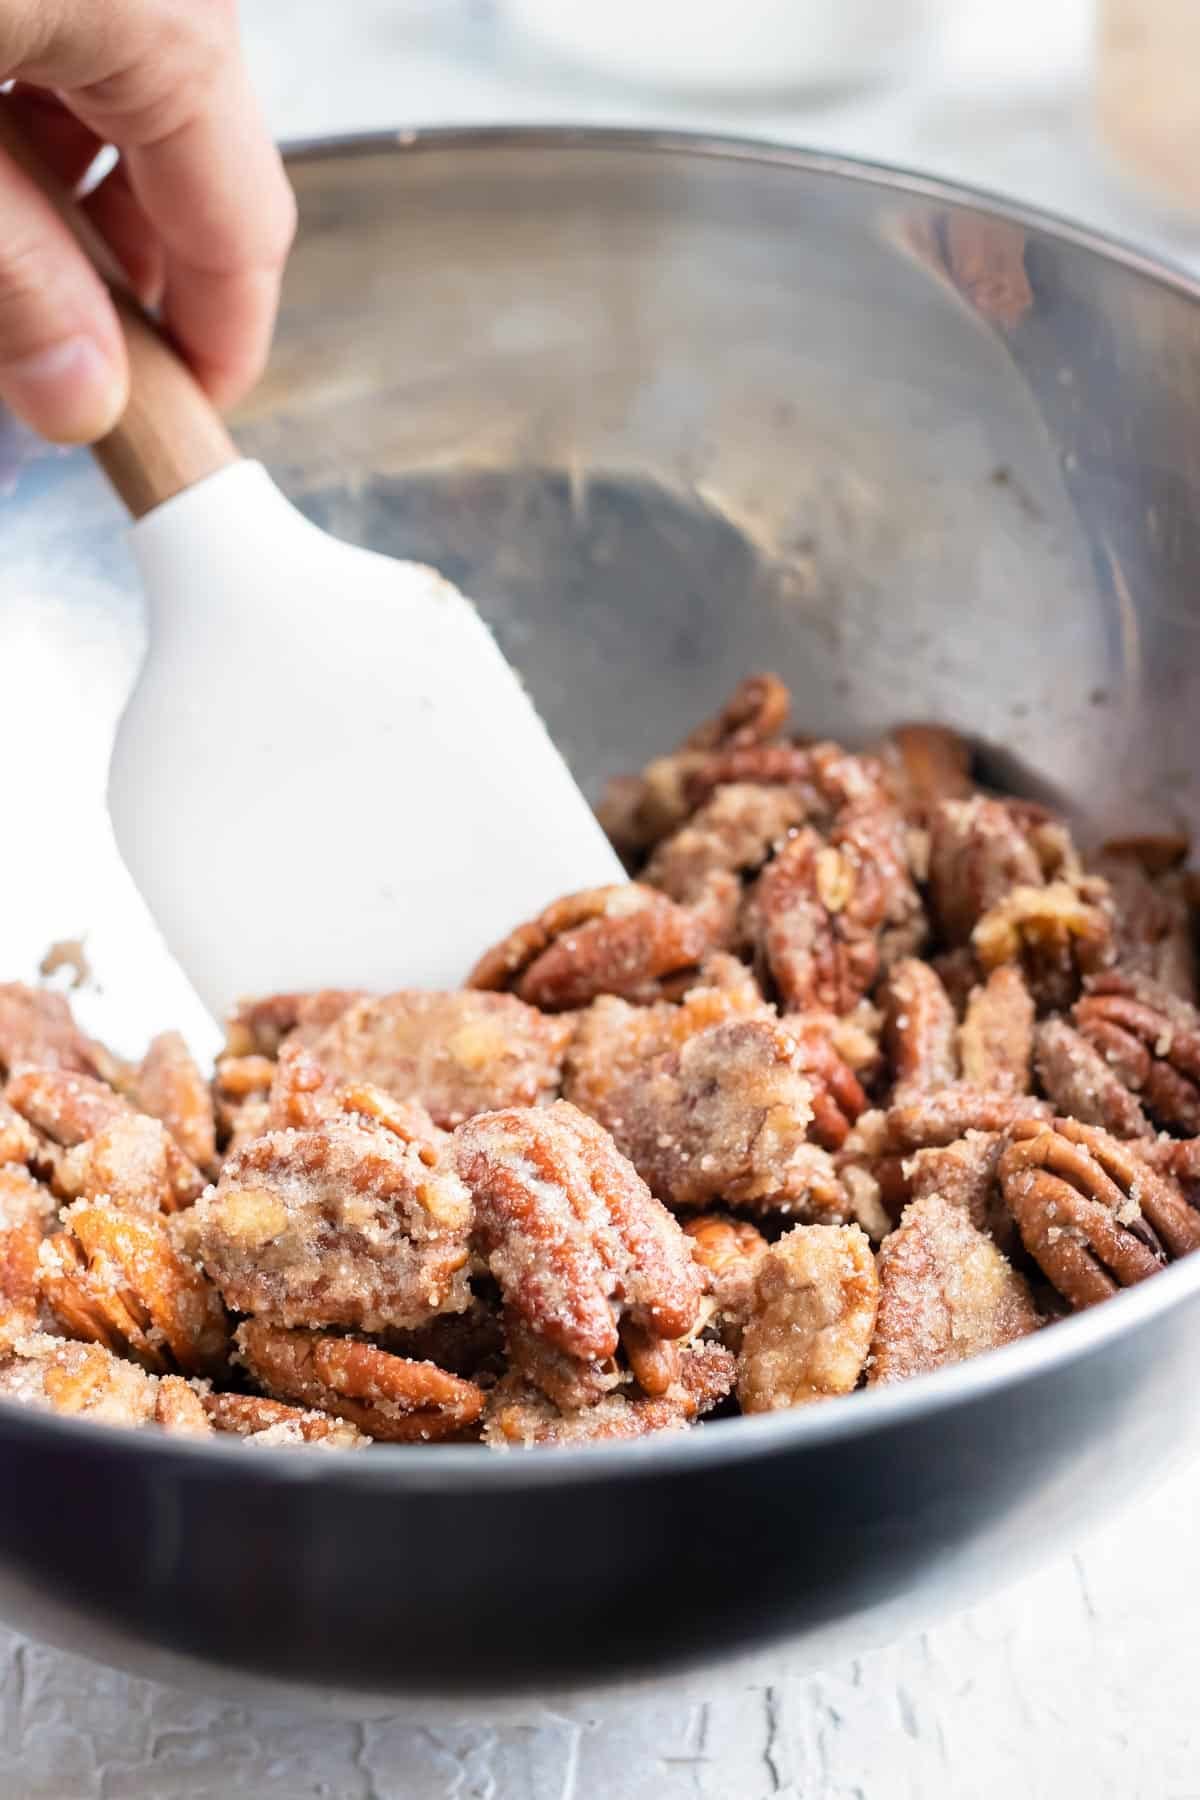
x=670, y=410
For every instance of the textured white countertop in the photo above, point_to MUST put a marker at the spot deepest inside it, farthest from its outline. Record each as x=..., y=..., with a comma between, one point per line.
x=1080, y=1681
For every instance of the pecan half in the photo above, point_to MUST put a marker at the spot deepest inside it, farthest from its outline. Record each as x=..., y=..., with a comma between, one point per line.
x=941, y=1118
x=573, y=1237
x=611, y=940
x=274, y=1422
x=84, y=1380
x=1151, y=1041
x=734, y=832
x=966, y=1174
x=811, y=1319
x=613, y=1038
x=18, y=1141
x=1091, y=1212
x=37, y=1030
x=519, y=1417
x=946, y=1293
x=755, y=712
x=270, y=1422
x=1083, y=1084
x=920, y=1031
x=729, y=1253
x=388, y=1397
x=179, y=1409
x=258, y=1027
x=303, y=1095
x=109, y=1150
x=1150, y=911
x=995, y=1041
x=457, y=1053
x=978, y=852
x=726, y=1118
x=1059, y=933
x=26, y=1211
x=342, y=1224
x=925, y=765
x=168, y=1085
x=113, y=1277
x=815, y=915
x=838, y=1097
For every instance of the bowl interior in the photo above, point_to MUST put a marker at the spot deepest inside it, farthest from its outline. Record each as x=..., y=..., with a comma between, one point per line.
x=671, y=412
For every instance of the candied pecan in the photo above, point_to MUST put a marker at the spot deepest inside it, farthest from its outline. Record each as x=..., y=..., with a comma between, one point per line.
x=18, y=1142
x=179, y=1409
x=1059, y=933
x=920, y=1031
x=113, y=1277
x=1091, y=1211
x=573, y=1236
x=611, y=940
x=518, y=1416
x=653, y=1361
x=26, y=1211
x=258, y=1027
x=1151, y=1040
x=815, y=919
x=735, y=831
x=941, y=1118
x=1151, y=912
x=977, y=854
x=1083, y=1084
x=613, y=1038
x=923, y=766
x=388, y=1397
x=303, y=1095
x=241, y=1078
x=995, y=1042
x=109, y=1150
x=750, y=765
x=466, y=1343
x=726, y=1118
x=966, y=1174
x=837, y=1094
x=1164, y=1209
x=811, y=1318
x=342, y=1224
x=457, y=1053
x=272, y=1422
x=168, y=1085
x=57, y=1375
x=755, y=712
x=946, y=1293
x=729, y=1251
x=37, y=1029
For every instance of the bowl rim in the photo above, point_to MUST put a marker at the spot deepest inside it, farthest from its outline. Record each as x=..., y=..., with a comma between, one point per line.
x=862, y=171
x=453, y=1467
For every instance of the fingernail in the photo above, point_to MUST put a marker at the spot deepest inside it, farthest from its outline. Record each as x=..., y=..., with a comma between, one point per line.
x=69, y=392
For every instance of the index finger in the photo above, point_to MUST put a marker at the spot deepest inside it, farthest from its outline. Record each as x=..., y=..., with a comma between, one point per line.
x=214, y=188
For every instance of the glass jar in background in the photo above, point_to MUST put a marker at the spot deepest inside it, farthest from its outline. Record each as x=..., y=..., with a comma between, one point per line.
x=730, y=46
x=1148, y=95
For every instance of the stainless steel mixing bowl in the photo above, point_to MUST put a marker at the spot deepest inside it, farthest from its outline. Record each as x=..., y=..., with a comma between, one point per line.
x=672, y=410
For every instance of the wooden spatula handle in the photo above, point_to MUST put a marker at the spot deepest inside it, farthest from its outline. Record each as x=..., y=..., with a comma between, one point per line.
x=170, y=435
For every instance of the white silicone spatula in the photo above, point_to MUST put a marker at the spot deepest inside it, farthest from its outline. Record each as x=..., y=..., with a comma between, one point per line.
x=327, y=773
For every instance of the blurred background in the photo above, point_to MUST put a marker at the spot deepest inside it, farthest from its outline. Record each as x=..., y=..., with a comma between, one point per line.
x=1089, y=108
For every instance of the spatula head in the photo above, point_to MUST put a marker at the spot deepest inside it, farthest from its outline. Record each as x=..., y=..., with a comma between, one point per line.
x=327, y=773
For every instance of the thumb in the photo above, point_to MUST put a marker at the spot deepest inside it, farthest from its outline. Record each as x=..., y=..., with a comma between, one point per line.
x=62, y=358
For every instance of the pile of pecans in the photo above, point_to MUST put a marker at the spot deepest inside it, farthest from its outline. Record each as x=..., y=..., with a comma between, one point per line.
x=864, y=1071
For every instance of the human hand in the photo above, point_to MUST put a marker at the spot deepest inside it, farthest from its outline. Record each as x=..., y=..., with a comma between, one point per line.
x=197, y=211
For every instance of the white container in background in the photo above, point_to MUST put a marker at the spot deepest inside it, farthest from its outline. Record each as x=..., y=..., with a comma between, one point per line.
x=730, y=46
